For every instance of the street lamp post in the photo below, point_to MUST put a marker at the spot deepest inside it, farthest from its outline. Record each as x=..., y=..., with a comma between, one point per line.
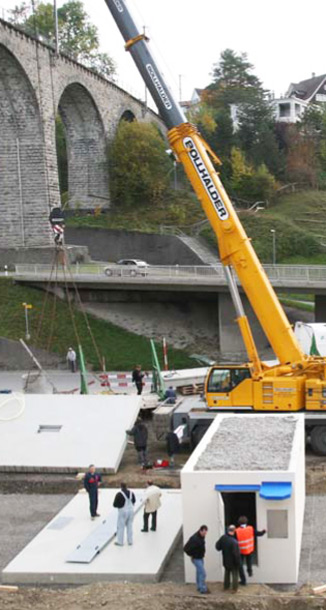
x=27, y=333
x=273, y=232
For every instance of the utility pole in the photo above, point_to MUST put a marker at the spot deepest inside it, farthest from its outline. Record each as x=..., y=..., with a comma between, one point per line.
x=180, y=87
x=27, y=306
x=56, y=26
x=144, y=32
x=273, y=232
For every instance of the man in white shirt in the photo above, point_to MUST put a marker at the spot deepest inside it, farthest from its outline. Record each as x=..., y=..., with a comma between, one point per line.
x=71, y=359
x=151, y=506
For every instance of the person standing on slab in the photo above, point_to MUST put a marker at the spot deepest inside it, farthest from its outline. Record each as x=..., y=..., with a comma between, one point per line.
x=151, y=506
x=124, y=501
x=196, y=548
x=228, y=544
x=92, y=480
x=245, y=535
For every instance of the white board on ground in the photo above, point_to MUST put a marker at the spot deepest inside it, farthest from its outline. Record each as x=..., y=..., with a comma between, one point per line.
x=62, y=432
x=44, y=559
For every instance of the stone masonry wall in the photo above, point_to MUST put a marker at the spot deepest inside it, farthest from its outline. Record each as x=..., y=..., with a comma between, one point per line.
x=36, y=85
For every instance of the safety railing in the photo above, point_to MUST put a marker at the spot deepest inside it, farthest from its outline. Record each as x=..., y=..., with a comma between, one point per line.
x=278, y=274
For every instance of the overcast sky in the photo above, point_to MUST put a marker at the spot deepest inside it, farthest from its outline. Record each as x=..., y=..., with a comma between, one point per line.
x=284, y=39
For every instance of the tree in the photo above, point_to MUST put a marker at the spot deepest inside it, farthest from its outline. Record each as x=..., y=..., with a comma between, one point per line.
x=233, y=82
x=248, y=182
x=235, y=86
x=77, y=35
x=139, y=166
x=301, y=157
x=256, y=134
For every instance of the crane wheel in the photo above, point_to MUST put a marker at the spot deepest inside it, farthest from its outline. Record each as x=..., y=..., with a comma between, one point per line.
x=318, y=440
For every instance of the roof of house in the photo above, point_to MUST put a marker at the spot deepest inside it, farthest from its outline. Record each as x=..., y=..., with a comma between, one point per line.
x=306, y=89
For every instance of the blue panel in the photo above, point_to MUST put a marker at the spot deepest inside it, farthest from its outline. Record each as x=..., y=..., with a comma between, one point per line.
x=237, y=487
x=276, y=490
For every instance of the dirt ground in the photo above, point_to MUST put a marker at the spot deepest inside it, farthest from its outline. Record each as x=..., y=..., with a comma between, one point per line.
x=167, y=596
x=160, y=596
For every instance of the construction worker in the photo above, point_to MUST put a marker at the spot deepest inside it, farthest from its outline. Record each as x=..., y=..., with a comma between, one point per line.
x=140, y=434
x=245, y=535
x=124, y=501
x=92, y=480
x=138, y=378
x=151, y=505
x=231, y=557
x=170, y=396
x=71, y=359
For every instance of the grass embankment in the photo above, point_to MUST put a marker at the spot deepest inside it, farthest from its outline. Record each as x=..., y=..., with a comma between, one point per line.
x=181, y=211
x=121, y=349
x=299, y=221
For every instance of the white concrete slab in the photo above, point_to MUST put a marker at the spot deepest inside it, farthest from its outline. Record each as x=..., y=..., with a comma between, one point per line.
x=43, y=561
x=79, y=430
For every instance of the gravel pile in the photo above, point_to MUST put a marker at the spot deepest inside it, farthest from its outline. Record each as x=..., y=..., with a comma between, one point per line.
x=250, y=443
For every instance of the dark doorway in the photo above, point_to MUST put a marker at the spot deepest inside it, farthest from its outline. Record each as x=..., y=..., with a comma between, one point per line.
x=237, y=504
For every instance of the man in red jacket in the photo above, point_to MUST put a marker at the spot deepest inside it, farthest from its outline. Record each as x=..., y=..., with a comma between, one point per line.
x=245, y=535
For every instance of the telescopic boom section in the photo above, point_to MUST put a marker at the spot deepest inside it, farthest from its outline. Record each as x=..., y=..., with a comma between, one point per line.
x=190, y=148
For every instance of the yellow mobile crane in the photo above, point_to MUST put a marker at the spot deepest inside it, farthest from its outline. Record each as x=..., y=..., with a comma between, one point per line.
x=298, y=382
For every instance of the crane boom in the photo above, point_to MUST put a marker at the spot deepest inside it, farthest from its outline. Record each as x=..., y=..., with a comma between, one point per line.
x=235, y=248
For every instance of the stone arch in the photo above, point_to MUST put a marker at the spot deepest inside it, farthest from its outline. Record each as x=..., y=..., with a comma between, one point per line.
x=128, y=116
x=24, y=196
x=86, y=148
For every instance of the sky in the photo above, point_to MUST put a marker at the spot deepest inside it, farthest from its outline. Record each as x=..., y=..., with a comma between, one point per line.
x=284, y=39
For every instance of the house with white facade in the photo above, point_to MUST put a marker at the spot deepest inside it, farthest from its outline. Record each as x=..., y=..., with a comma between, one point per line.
x=290, y=108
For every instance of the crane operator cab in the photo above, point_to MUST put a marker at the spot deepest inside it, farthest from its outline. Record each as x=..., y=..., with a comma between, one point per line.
x=229, y=386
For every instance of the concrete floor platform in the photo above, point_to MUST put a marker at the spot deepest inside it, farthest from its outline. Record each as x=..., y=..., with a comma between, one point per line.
x=44, y=560
x=64, y=432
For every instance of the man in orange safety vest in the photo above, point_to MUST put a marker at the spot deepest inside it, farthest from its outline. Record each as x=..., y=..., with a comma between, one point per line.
x=245, y=535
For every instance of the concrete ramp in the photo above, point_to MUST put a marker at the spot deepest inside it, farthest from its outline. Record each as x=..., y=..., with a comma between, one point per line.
x=44, y=559
x=63, y=432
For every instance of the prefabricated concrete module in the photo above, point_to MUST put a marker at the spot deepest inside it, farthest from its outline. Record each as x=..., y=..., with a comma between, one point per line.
x=63, y=432
x=252, y=465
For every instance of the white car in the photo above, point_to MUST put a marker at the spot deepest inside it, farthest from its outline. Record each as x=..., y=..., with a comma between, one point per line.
x=133, y=266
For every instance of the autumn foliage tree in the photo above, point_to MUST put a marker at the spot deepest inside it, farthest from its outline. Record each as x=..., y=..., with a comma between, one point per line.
x=77, y=35
x=139, y=166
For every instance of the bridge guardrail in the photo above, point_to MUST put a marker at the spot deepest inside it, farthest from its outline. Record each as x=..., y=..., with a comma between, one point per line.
x=276, y=273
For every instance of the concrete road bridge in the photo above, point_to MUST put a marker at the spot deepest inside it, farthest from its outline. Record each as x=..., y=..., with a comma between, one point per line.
x=187, y=287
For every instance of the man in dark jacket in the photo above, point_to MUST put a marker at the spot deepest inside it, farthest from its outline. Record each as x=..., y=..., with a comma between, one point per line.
x=137, y=377
x=172, y=446
x=92, y=480
x=228, y=544
x=196, y=548
x=140, y=434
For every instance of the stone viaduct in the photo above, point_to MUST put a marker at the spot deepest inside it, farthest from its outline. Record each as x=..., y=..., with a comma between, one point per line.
x=35, y=86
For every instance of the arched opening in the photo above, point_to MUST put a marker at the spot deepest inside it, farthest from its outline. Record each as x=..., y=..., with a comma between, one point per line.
x=84, y=174
x=128, y=116
x=24, y=197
